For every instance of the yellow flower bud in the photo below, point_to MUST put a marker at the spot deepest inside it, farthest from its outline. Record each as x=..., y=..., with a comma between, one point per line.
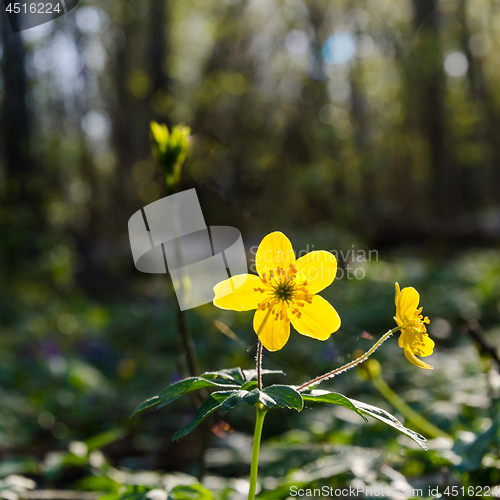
x=170, y=149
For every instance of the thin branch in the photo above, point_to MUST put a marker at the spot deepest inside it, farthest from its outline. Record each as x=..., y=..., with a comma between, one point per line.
x=350, y=365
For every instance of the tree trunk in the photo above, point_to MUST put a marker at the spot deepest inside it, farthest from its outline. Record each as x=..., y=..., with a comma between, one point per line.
x=431, y=83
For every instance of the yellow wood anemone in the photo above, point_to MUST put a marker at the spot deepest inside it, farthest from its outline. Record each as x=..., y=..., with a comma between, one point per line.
x=414, y=339
x=284, y=292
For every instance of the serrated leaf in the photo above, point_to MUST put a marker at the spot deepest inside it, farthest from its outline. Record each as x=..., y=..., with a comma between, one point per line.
x=391, y=420
x=252, y=374
x=282, y=396
x=181, y=388
x=173, y=391
x=319, y=396
x=212, y=403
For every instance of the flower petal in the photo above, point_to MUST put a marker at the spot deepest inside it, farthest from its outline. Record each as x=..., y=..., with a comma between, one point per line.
x=272, y=332
x=415, y=361
x=418, y=342
x=406, y=304
x=238, y=293
x=318, y=268
x=275, y=250
x=401, y=340
x=317, y=320
x=398, y=293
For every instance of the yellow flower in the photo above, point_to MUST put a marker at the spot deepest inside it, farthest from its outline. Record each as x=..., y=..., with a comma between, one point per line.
x=413, y=338
x=285, y=291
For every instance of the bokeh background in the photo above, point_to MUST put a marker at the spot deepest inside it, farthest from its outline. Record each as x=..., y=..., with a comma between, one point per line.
x=350, y=126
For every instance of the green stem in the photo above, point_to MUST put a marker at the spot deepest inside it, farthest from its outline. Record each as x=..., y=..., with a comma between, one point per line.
x=259, y=421
x=418, y=421
x=350, y=365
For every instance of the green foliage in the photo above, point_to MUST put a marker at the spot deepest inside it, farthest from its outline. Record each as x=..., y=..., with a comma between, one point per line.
x=233, y=378
x=179, y=389
x=320, y=396
x=362, y=409
x=281, y=396
x=274, y=396
x=389, y=419
x=170, y=149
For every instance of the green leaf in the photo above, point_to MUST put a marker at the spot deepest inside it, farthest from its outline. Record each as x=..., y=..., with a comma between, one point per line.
x=362, y=409
x=105, y=438
x=179, y=389
x=237, y=398
x=231, y=378
x=252, y=397
x=319, y=396
x=192, y=492
x=248, y=386
x=212, y=403
x=234, y=400
x=233, y=374
x=282, y=396
x=391, y=420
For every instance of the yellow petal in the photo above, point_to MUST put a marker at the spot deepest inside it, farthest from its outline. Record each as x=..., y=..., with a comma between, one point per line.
x=317, y=320
x=238, y=293
x=318, y=268
x=275, y=250
x=272, y=332
x=401, y=339
x=419, y=343
x=398, y=293
x=406, y=304
x=415, y=361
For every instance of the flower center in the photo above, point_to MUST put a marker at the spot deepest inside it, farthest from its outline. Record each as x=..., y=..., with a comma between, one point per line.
x=418, y=321
x=415, y=322
x=283, y=289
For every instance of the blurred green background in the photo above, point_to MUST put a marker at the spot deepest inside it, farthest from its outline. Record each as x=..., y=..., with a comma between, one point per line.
x=349, y=126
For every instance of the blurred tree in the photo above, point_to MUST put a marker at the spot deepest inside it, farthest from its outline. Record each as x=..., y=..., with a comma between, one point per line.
x=429, y=84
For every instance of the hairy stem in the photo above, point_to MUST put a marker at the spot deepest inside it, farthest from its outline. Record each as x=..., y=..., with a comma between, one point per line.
x=258, y=362
x=350, y=365
x=254, y=468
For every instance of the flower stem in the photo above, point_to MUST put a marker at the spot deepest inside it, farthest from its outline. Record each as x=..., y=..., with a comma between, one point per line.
x=258, y=361
x=350, y=365
x=259, y=421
